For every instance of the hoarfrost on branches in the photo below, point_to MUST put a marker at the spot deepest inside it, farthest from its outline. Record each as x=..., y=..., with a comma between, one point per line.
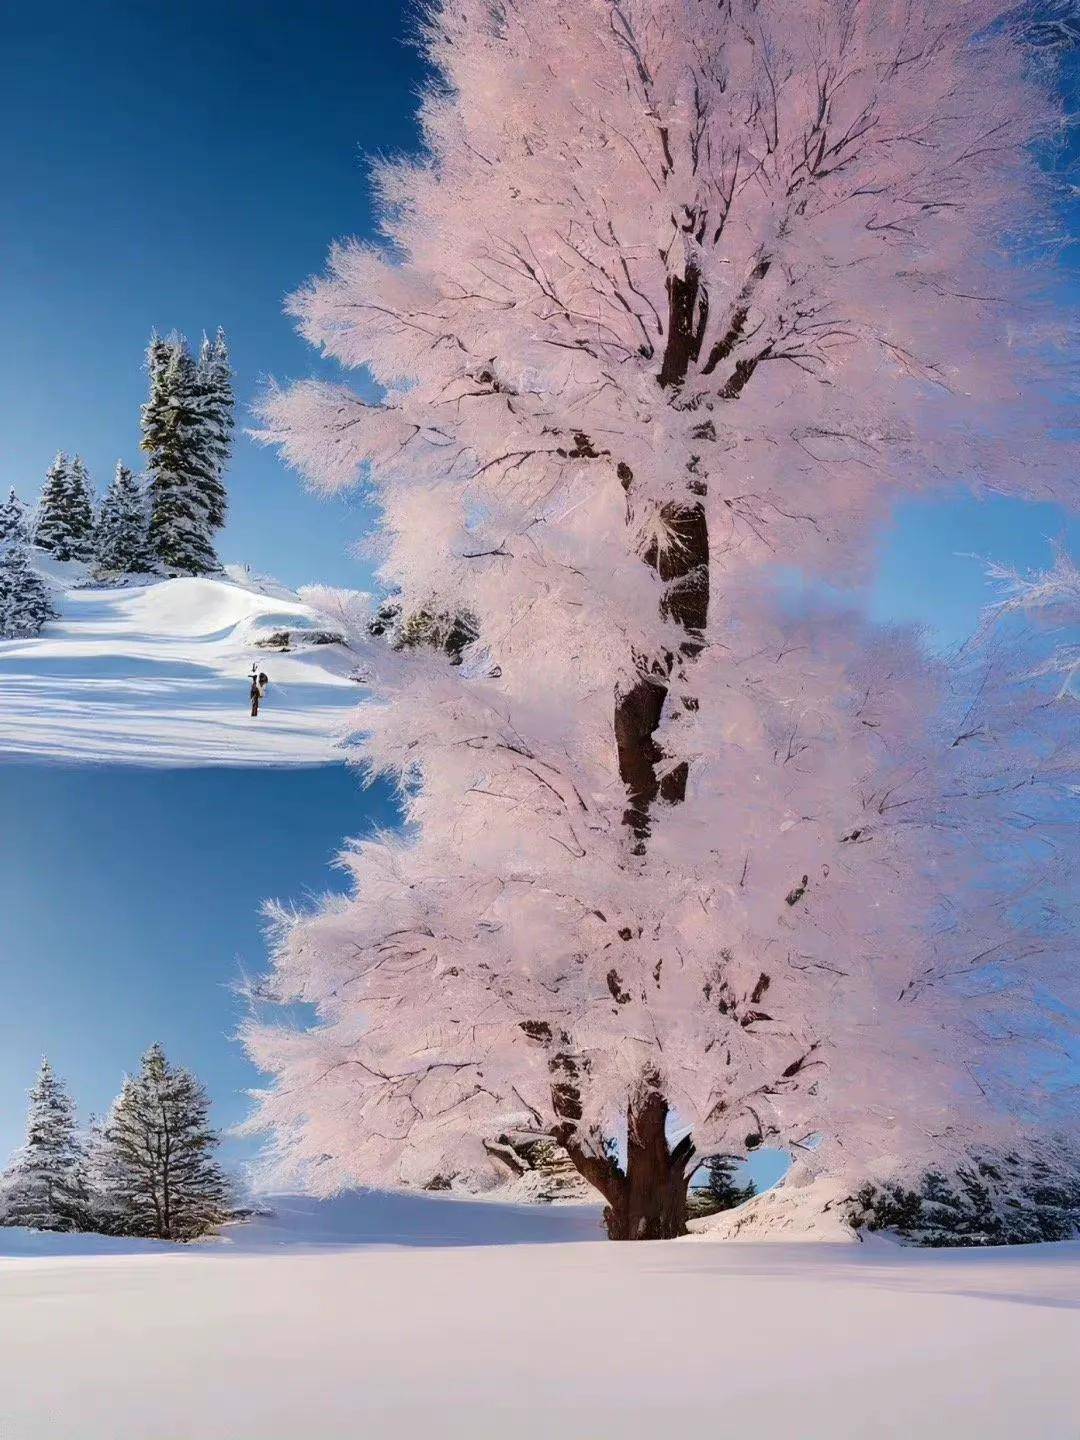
x=676, y=295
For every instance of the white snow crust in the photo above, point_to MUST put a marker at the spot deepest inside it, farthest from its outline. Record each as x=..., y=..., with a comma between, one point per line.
x=386, y=1316
x=157, y=674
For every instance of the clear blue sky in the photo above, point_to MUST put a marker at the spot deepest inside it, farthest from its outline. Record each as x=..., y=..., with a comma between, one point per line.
x=184, y=166
x=181, y=166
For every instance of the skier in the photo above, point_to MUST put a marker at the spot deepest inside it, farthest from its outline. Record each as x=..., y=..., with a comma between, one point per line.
x=259, y=682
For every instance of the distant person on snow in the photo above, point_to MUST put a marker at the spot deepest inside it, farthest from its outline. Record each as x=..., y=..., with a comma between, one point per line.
x=259, y=682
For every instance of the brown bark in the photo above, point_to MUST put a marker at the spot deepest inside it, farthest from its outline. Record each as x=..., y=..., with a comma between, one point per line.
x=683, y=564
x=647, y=1199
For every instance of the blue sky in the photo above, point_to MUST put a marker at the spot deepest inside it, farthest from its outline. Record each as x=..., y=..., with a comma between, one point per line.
x=184, y=166
x=129, y=906
x=188, y=166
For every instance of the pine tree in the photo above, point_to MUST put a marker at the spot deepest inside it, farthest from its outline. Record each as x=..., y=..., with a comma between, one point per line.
x=13, y=523
x=45, y=1185
x=215, y=388
x=65, y=524
x=1019, y=1197
x=154, y=1167
x=180, y=465
x=120, y=541
x=104, y=1205
x=720, y=1191
x=25, y=600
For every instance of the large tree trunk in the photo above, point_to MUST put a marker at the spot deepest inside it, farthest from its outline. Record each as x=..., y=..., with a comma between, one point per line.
x=647, y=1199
x=683, y=564
x=653, y=1203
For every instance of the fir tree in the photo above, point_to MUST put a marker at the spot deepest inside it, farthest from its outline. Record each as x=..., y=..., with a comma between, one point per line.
x=720, y=1191
x=154, y=1167
x=1015, y=1198
x=25, y=600
x=120, y=541
x=45, y=1185
x=216, y=394
x=180, y=465
x=65, y=524
x=13, y=524
x=104, y=1205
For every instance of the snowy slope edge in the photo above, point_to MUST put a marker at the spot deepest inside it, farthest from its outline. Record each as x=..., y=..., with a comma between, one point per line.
x=158, y=674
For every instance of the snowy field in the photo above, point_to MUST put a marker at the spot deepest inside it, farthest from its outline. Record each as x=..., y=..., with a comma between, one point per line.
x=388, y=1317
x=158, y=675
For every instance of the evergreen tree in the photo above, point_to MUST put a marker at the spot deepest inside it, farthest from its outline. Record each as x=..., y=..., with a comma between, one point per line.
x=1015, y=1198
x=216, y=393
x=720, y=1191
x=120, y=541
x=45, y=1185
x=154, y=1167
x=104, y=1204
x=65, y=524
x=25, y=600
x=181, y=464
x=13, y=524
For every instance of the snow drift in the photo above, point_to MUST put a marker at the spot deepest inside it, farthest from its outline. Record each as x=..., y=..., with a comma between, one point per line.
x=540, y=1340
x=157, y=674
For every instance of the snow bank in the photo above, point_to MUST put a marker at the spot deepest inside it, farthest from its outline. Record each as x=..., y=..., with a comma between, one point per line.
x=358, y=1218
x=802, y=1207
x=157, y=674
x=387, y=1218
x=535, y=1341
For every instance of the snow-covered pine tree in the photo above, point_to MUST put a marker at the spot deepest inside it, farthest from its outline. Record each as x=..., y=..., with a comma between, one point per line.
x=216, y=392
x=719, y=1190
x=154, y=1166
x=13, y=522
x=44, y=1187
x=81, y=509
x=65, y=520
x=26, y=601
x=103, y=1213
x=121, y=545
x=50, y=533
x=1017, y=1197
x=180, y=463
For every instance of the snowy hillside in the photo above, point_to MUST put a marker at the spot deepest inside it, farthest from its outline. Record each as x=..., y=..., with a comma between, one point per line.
x=357, y=1218
x=157, y=674
x=306, y=1323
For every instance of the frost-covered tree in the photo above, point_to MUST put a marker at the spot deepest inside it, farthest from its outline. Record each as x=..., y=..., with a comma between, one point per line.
x=26, y=602
x=678, y=293
x=103, y=1207
x=13, y=522
x=1016, y=1197
x=121, y=543
x=216, y=393
x=65, y=518
x=180, y=461
x=153, y=1165
x=1052, y=599
x=44, y=1187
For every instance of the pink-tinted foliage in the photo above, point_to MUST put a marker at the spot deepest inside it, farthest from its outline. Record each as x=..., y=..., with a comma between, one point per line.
x=756, y=259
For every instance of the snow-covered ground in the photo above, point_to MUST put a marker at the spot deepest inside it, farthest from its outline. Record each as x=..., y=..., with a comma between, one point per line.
x=158, y=674
x=300, y=1325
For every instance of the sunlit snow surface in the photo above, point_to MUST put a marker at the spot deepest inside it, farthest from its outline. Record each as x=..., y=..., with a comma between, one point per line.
x=158, y=674
x=380, y=1316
